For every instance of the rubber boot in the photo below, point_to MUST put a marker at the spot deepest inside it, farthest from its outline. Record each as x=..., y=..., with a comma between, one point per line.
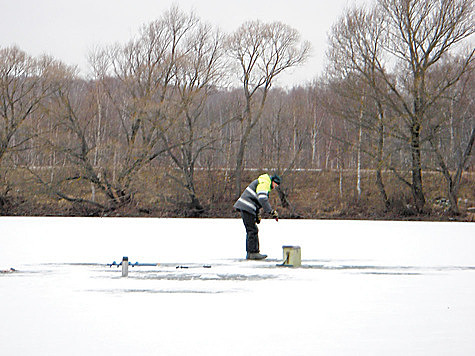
x=255, y=256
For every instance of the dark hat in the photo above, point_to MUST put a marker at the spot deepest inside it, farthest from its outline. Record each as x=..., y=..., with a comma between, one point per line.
x=275, y=178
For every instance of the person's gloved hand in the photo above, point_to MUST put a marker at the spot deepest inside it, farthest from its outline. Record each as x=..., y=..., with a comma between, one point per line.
x=275, y=215
x=258, y=218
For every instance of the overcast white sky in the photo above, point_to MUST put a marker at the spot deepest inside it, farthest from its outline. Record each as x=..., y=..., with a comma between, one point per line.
x=67, y=29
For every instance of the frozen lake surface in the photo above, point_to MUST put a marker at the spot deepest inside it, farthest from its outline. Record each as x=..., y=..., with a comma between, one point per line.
x=364, y=288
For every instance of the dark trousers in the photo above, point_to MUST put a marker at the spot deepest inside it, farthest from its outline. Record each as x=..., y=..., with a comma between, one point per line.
x=252, y=239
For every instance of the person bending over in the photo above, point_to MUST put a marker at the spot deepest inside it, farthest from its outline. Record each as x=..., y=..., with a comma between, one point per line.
x=249, y=204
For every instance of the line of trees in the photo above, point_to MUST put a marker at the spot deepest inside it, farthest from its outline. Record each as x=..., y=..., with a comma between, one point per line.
x=397, y=96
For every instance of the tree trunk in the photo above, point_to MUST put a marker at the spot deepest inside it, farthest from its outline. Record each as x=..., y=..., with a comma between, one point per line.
x=358, y=163
x=238, y=169
x=240, y=157
x=416, y=185
x=454, y=184
x=380, y=163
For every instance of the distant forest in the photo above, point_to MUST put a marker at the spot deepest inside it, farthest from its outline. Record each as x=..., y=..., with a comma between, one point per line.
x=183, y=116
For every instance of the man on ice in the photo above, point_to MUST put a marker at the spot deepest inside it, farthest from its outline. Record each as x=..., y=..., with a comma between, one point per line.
x=253, y=198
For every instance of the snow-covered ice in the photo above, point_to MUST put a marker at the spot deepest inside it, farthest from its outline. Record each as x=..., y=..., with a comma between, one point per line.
x=364, y=288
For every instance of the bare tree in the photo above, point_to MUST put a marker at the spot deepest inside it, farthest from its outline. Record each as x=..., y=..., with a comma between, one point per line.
x=262, y=51
x=452, y=130
x=405, y=43
x=317, y=116
x=198, y=72
x=145, y=88
x=420, y=33
x=73, y=108
x=356, y=46
x=140, y=81
x=146, y=69
x=24, y=85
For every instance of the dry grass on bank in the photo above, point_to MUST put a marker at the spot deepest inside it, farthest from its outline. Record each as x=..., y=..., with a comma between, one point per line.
x=311, y=194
